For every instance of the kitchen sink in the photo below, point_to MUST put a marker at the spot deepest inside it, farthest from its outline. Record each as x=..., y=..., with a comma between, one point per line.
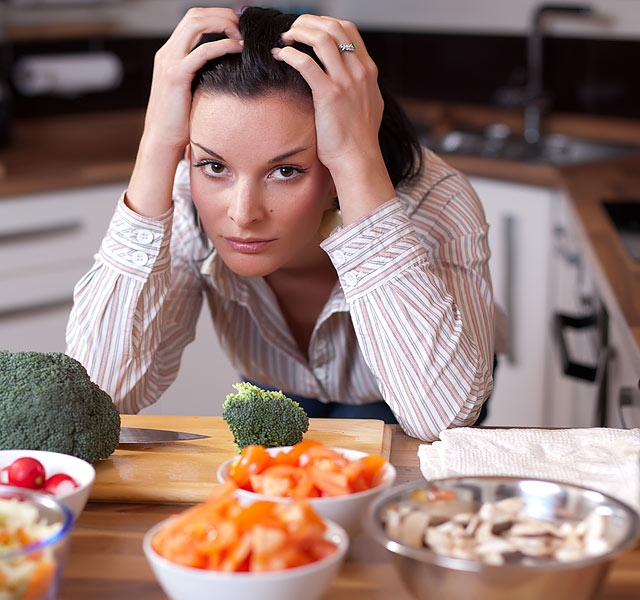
x=498, y=142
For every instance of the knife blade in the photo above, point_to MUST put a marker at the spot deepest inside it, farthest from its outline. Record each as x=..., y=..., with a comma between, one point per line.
x=141, y=435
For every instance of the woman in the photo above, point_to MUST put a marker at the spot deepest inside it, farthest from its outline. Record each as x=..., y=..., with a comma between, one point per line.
x=381, y=309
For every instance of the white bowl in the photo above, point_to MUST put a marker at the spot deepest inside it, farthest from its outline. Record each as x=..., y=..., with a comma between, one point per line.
x=308, y=582
x=346, y=511
x=56, y=462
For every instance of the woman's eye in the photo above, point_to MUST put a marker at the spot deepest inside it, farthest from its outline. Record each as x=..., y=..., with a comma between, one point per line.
x=287, y=172
x=211, y=168
x=214, y=168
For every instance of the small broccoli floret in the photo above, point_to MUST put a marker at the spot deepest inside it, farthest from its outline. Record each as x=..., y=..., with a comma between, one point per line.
x=262, y=417
x=48, y=402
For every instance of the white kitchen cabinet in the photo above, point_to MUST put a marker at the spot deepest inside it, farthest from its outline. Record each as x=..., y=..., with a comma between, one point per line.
x=47, y=242
x=520, y=221
x=604, y=346
x=623, y=375
x=573, y=400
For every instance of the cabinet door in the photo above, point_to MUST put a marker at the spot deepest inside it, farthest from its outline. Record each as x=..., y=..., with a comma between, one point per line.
x=623, y=378
x=572, y=401
x=47, y=242
x=519, y=237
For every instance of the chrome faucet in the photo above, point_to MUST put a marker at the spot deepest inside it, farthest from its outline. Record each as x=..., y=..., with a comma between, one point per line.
x=535, y=99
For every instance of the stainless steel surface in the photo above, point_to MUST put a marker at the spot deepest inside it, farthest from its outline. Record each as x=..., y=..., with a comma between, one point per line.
x=140, y=435
x=497, y=142
x=429, y=576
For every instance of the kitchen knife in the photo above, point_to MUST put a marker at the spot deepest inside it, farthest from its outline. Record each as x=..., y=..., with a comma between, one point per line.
x=139, y=435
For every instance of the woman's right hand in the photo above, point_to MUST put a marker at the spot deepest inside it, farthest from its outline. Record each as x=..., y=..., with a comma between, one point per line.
x=166, y=127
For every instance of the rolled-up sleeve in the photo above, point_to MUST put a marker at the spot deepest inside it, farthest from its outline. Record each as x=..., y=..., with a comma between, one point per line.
x=419, y=291
x=137, y=308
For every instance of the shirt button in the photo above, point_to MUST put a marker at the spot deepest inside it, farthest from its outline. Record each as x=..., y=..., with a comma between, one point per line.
x=144, y=236
x=139, y=258
x=350, y=278
x=339, y=257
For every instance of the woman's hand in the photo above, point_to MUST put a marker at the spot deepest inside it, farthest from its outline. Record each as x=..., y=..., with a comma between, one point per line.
x=348, y=110
x=166, y=128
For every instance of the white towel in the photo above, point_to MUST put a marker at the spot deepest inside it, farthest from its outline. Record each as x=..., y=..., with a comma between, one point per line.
x=603, y=459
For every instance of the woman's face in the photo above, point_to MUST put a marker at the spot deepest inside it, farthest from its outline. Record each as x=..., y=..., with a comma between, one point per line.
x=256, y=180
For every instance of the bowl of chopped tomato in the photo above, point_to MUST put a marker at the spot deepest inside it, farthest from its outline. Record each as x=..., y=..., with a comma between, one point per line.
x=223, y=549
x=338, y=482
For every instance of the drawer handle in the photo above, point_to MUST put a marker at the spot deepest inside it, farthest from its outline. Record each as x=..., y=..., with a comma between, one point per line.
x=36, y=307
x=510, y=248
x=44, y=231
x=569, y=366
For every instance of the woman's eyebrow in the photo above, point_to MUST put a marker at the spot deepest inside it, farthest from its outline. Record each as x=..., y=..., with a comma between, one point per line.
x=209, y=152
x=275, y=159
x=289, y=154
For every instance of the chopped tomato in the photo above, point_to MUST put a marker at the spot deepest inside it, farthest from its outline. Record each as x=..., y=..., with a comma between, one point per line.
x=329, y=482
x=307, y=470
x=283, y=480
x=220, y=534
x=365, y=472
x=300, y=448
x=252, y=459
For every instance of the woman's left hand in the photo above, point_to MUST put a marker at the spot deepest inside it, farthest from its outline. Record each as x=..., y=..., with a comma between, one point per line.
x=348, y=109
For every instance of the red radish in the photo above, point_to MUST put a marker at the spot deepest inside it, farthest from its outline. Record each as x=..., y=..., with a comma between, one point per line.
x=60, y=483
x=26, y=472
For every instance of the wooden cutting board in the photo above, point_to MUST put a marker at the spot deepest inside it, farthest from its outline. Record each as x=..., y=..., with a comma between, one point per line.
x=185, y=471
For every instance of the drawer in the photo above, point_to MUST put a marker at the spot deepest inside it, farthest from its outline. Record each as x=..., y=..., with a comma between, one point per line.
x=56, y=230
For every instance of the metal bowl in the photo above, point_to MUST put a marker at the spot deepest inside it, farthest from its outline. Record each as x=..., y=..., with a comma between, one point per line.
x=431, y=576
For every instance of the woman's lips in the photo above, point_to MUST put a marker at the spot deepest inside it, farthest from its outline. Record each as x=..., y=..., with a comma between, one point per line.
x=247, y=246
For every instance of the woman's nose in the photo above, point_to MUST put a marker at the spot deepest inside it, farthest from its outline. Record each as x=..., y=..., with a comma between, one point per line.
x=246, y=204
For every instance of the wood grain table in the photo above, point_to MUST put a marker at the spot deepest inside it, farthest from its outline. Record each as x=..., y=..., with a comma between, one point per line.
x=106, y=559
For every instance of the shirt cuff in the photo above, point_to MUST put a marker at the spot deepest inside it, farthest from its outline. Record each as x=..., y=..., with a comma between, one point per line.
x=375, y=249
x=136, y=244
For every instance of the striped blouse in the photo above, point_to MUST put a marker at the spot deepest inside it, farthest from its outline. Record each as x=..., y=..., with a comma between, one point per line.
x=410, y=320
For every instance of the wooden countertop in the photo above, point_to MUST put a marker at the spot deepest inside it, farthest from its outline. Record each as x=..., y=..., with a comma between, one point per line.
x=79, y=150
x=106, y=559
x=72, y=151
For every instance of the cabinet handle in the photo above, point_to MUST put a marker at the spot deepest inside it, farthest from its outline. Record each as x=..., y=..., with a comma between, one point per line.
x=571, y=367
x=36, y=307
x=595, y=373
x=509, y=231
x=56, y=229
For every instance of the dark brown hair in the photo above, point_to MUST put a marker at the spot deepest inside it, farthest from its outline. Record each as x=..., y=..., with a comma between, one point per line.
x=255, y=72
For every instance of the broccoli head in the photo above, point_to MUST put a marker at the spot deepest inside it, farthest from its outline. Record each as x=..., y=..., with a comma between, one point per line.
x=265, y=418
x=48, y=402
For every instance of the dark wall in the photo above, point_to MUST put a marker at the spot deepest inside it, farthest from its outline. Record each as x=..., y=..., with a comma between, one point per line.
x=587, y=76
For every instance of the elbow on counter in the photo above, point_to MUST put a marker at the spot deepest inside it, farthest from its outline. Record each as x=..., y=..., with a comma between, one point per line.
x=460, y=403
